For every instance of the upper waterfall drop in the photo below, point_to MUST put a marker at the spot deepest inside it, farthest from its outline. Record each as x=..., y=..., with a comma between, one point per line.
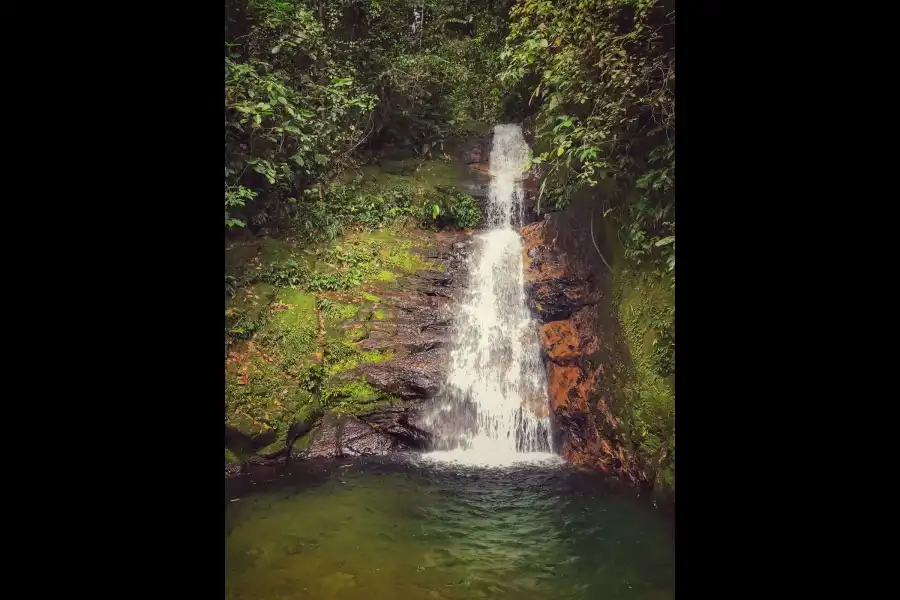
x=494, y=407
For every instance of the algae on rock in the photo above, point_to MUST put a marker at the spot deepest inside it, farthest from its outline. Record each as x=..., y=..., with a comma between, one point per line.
x=293, y=352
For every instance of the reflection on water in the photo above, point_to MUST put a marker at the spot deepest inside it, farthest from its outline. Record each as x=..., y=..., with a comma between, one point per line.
x=413, y=529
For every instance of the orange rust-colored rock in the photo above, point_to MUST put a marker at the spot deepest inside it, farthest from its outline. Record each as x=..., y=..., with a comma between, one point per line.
x=606, y=447
x=541, y=263
x=585, y=324
x=566, y=387
x=560, y=340
x=565, y=295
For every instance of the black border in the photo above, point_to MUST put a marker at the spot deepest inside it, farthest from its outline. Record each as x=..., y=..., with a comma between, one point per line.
x=161, y=270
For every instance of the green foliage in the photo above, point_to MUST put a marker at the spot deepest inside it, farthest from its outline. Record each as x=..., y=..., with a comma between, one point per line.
x=601, y=75
x=310, y=85
x=286, y=273
x=464, y=211
x=358, y=258
x=311, y=379
x=664, y=349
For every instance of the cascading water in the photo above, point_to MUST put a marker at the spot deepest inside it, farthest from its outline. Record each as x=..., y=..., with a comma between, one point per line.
x=493, y=409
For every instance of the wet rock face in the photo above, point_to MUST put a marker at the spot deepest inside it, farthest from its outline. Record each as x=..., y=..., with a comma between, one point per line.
x=376, y=433
x=418, y=375
x=566, y=295
x=417, y=317
x=557, y=285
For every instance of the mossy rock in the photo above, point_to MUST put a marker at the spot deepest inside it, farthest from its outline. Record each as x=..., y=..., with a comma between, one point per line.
x=274, y=250
x=339, y=317
x=383, y=314
x=247, y=310
x=238, y=255
x=284, y=373
x=427, y=175
x=289, y=335
x=231, y=459
x=349, y=393
x=343, y=355
x=261, y=400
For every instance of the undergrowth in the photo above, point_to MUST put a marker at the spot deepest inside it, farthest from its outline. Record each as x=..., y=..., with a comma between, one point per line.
x=644, y=303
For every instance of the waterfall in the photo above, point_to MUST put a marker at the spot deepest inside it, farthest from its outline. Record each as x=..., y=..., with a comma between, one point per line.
x=493, y=408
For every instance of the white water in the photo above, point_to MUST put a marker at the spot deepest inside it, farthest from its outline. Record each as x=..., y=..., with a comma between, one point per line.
x=493, y=410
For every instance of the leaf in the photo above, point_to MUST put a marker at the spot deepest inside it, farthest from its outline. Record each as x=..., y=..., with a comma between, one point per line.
x=665, y=241
x=560, y=150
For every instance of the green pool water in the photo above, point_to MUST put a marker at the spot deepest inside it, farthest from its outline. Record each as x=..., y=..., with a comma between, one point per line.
x=403, y=528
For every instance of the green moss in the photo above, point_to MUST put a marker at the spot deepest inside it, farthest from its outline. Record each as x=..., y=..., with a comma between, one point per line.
x=371, y=297
x=279, y=444
x=301, y=308
x=644, y=304
x=254, y=297
x=336, y=316
x=378, y=315
x=375, y=356
x=238, y=255
x=302, y=442
x=231, y=459
x=428, y=175
x=246, y=312
x=356, y=396
x=339, y=356
x=363, y=258
x=401, y=258
x=272, y=250
x=356, y=333
x=290, y=333
x=260, y=398
x=348, y=311
x=342, y=356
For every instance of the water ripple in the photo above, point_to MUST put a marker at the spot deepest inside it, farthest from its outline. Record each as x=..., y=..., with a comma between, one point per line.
x=421, y=530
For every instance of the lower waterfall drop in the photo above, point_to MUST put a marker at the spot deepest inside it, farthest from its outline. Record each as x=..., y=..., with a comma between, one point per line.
x=494, y=407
